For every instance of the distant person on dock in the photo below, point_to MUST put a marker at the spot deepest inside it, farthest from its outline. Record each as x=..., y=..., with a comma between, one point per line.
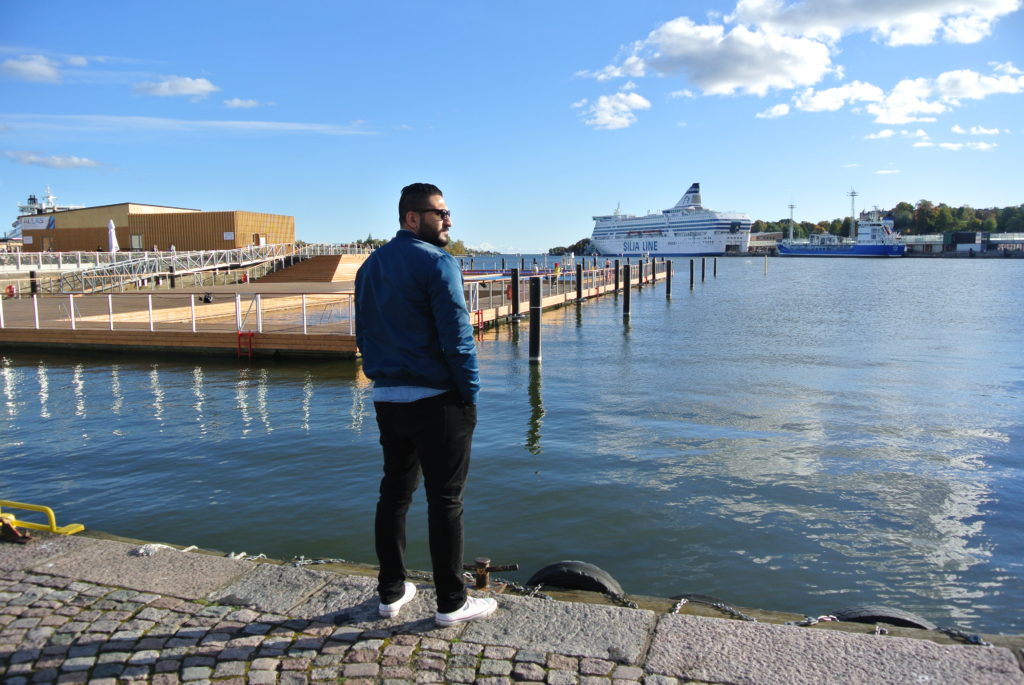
x=413, y=329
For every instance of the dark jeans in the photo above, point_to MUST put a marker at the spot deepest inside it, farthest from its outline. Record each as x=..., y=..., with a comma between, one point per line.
x=431, y=436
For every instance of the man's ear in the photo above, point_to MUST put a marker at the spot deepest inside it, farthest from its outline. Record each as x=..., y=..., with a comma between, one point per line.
x=412, y=223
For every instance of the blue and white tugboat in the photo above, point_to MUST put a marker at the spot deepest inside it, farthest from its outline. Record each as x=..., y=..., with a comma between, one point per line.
x=875, y=238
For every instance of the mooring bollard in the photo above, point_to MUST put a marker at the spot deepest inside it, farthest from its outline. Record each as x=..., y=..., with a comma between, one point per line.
x=691, y=274
x=535, y=311
x=616, y=275
x=668, y=278
x=579, y=281
x=625, y=292
x=513, y=287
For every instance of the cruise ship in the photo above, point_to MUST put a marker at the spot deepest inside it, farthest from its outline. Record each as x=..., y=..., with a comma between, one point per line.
x=687, y=229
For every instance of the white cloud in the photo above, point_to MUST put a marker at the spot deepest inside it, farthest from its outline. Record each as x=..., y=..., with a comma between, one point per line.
x=907, y=22
x=774, y=112
x=884, y=133
x=53, y=161
x=579, y=103
x=907, y=102
x=684, y=93
x=629, y=85
x=832, y=99
x=924, y=143
x=632, y=66
x=98, y=122
x=721, y=63
x=767, y=45
x=77, y=61
x=178, y=86
x=1004, y=68
x=964, y=84
x=983, y=146
x=239, y=103
x=615, y=111
x=888, y=171
x=35, y=68
x=975, y=130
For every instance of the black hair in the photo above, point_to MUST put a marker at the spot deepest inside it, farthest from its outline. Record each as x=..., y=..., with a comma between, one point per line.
x=415, y=196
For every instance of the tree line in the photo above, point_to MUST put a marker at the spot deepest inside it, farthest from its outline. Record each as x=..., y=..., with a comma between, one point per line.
x=455, y=247
x=920, y=219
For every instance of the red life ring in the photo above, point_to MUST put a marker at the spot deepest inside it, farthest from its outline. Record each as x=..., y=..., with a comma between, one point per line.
x=508, y=291
x=9, y=291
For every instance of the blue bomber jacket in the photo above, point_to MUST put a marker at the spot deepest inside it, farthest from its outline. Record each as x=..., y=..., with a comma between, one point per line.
x=412, y=325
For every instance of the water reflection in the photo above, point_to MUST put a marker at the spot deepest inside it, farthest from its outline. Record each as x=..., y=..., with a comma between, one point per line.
x=262, y=385
x=199, y=393
x=9, y=380
x=158, y=393
x=242, y=400
x=307, y=398
x=115, y=389
x=44, y=390
x=78, y=388
x=536, y=410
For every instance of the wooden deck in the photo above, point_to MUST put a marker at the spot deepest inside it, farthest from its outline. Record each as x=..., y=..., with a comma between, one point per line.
x=177, y=321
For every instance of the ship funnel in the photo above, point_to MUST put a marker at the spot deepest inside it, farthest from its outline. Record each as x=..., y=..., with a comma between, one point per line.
x=691, y=198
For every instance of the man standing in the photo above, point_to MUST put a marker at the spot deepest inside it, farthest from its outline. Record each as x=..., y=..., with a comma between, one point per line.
x=413, y=330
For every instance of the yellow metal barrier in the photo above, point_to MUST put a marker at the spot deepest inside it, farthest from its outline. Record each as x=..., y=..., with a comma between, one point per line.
x=69, y=529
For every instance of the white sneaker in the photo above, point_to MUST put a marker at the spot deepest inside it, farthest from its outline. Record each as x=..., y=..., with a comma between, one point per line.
x=475, y=607
x=391, y=610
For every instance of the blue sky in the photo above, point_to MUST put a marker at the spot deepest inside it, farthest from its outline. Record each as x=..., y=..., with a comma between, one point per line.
x=531, y=116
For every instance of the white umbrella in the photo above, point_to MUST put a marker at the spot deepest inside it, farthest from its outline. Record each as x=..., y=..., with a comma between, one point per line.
x=112, y=237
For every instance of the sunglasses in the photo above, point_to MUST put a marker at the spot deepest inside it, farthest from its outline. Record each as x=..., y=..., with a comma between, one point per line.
x=443, y=213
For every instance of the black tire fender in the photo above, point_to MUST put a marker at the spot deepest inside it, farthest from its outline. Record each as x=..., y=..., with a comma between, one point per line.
x=875, y=613
x=576, y=575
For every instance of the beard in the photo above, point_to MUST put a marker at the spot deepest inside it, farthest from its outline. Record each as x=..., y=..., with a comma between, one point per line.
x=438, y=237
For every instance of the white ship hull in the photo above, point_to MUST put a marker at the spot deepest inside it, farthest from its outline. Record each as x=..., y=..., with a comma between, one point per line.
x=684, y=230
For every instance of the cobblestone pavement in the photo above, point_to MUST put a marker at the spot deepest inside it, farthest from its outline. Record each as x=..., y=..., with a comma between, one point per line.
x=66, y=631
x=78, y=609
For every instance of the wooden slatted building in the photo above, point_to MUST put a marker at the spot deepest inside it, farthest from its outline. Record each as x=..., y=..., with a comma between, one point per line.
x=145, y=227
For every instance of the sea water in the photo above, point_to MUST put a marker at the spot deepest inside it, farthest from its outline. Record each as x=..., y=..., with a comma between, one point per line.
x=825, y=434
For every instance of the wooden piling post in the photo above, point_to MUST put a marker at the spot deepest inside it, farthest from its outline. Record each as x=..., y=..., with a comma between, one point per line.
x=668, y=279
x=616, y=275
x=626, y=292
x=535, y=312
x=691, y=274
x=715, y=271
x=514, y=285
x=579, y=281
x=703, y=269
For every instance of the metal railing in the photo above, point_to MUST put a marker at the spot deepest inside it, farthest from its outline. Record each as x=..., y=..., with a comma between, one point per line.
x=289, y=312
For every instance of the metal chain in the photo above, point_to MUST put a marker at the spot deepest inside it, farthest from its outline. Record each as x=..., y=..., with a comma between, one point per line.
x=524, y=590
x=300, y=561
x=969, y=638
x=733, y=611
x=721, y=606
x=812, y=620
x=621, y=600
